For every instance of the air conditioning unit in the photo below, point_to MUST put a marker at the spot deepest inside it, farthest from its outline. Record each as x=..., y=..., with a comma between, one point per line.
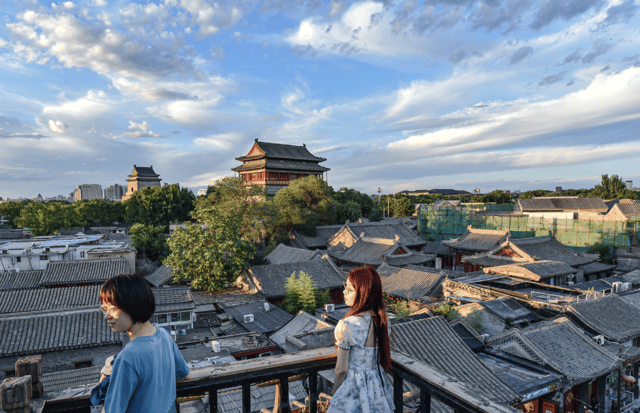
x=616, y=287
x=174, y=336
x=599, y=339
x=215, y=346
x=485, y=337
x=570, y=283
x=329, y=307
x=266, y=307
x=625, y=286
x=248, y=318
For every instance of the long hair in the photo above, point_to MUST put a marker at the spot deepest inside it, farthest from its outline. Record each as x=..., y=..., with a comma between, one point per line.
x=368, y=289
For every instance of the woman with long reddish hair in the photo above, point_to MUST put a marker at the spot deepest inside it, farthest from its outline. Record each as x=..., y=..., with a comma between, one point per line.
x=363, y=348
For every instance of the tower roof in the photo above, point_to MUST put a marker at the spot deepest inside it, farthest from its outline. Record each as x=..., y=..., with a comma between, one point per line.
x=280, y=151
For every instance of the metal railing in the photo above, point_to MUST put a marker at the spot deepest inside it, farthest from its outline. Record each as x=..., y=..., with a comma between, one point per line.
x=281, y=368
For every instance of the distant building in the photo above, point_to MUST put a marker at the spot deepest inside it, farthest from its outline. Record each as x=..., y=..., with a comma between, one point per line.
x=115, y=192
x=87, y=191
x=142, y=177
x=275, y=165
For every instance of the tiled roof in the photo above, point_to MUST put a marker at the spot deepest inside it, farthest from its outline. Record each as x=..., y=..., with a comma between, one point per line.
x=478, y=239
x=261, y=397
x=610, y=316
x=22, y=280
x=408, y=283
x=284, y=151
x=173, y=299
x=383, y=230
x=468, y=335
x=603, y=284
x=34, y=334
x=376, y=251
x=632, y=298
x=629, y=208
x=301, y=323
x=48, y=299
x=596, y=267
x=283, y=254
x=535, y=271
x=433, y=341
x=144, y=171
x=560, y=344
x=160, y=276
x=270, y=279
x=435, y=247
x=83, y=272
x=562, y=204
x=323, y=233
x=264, y=322
x=61, y=380
x=549, y=248
x=505, y=307
x=489, y=260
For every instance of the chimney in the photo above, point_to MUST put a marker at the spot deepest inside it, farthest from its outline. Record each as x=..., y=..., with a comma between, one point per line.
x=15, y=394
x=31, y=366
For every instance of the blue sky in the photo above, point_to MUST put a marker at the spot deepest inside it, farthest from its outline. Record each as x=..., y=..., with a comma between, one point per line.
x=510, y=94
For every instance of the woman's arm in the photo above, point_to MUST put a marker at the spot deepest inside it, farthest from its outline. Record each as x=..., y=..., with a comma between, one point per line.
x=342, y=368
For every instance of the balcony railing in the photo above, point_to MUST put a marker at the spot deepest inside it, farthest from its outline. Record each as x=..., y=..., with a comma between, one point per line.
x=209, y=380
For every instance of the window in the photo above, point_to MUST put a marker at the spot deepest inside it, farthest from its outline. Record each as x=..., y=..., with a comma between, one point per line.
x=44, y=258
x=185, y=316
x=18, y=259
x=82, y=364
x=81, y=254
x=162, y=318
x=9, y=373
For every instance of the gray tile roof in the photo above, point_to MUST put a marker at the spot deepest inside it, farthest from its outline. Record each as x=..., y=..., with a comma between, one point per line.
x=301, y=323
x=596, y=267
x=284, y=151
x=61, y=380
x=383, y=230
x=33, y=334
x=603, y=284
x=160, y=276
x=505, y=307
x=629, y=208
x=143, y=171
x=264, y=322
x=632, y=298
x=408, y=283
x=433, y=341
x=468, y=335
x=323, y=233
x=610, y=316
x=489, y=260
x=49, y=299
x=435, y=247
x=83, y=271
x=270, y=279
x=535, y=271
x=561, y=204
x=376, y=251
x=22, y=280
x=283, y=254
x=478, y=239
x=560, y=344
x=173, y=299
x=549, y=248
x=230, y=401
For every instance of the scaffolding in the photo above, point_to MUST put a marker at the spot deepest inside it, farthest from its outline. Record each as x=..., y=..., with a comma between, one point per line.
x=438, y=224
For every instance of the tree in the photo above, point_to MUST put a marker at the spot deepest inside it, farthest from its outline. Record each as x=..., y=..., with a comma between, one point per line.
x=149, y=241
x=535, y=193
x=159, y=206
x=302, y=294
x=48, y=218
x=348, y=211
x=305, y=204
x=402, y=207
x=497, y=196
x=400, y=309
x=212, y=256
x=10, y=211
x=605, y=252
x=258, y=216
x=612, y=188
x=447, y=311
x=99, y=212
x=344, y=195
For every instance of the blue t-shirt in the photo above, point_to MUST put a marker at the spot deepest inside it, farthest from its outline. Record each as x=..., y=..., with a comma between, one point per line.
x=144, y=375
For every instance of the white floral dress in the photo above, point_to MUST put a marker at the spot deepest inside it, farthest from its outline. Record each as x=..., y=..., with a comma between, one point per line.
x=363, y=390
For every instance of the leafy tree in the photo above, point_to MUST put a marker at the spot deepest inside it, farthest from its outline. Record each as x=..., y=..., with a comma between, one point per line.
x=305, y=204
x=535, y=193
x=448, y=312
x=376, y=214
x=401, y=309
x=48, y=218
x=159, y=206
x=612, y=188
x=10, y=211
x=302, y=294
x=344, y=195
x=99, y=212
x=258, y=216
x=474, y=319
x=348, y=211
x=149, y=241
x=605, y=252
x=497, y=196
x=402, y=207
x=211, y=256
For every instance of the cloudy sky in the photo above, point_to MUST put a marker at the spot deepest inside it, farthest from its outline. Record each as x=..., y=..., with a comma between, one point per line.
x=415, y=94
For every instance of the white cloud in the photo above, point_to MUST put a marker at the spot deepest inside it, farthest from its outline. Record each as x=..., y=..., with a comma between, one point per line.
x=212, y=17
x=56, y=126
x=223, y=140
x=140, y=130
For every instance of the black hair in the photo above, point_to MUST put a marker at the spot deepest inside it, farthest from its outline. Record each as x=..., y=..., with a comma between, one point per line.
x=131, y=294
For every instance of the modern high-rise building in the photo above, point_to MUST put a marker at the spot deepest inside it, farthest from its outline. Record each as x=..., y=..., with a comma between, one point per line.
x=115, y=192
x=87, y=191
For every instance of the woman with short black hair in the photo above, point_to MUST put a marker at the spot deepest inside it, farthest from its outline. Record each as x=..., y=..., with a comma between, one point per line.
x=144, y=373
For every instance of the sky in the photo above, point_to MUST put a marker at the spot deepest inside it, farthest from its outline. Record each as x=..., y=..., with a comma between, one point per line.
x=396, y=95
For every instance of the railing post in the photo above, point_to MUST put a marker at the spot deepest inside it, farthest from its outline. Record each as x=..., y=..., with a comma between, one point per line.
x=313, y=392
x=425, y=401
x=246, y=398
x=213, y=400
x=397, y=392
x=284, y=394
